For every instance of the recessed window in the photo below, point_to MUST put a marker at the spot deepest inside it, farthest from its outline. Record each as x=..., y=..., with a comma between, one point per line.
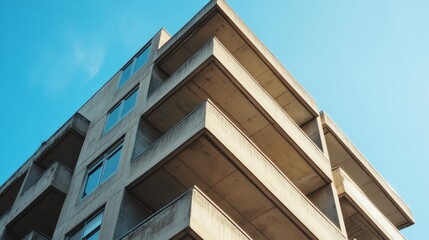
x=134, y=65
x=120, y=110
x=90, y=230
x=102, y=170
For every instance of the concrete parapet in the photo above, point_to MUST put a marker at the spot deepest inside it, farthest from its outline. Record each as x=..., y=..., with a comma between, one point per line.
x=192, y=214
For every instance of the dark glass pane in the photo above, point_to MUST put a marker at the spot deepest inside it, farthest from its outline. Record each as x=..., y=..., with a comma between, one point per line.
x=92, y=180
x=112, y=118
x=94, y=236
x=111, y=164
x=126, y=74
x=129, y=103
x=93, y=225
x=142, y=59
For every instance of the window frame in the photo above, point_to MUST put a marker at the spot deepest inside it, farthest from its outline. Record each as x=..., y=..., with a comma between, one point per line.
x=120, y=104
x=82, y=227
x=101, y=163
x=132, y=63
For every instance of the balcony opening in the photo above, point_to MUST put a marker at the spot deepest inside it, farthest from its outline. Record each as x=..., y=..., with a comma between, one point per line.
x=9, y=195
x=325, y=200
x=146, y=136
x=65, y=145
x=41, y=201
x=156, y=79
x=131, y=213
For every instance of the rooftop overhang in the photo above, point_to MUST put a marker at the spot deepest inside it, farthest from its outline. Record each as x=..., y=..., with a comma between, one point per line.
x=205, y=149
x=213, y=73
x=39, y=207
x=218, y=20
x=363, y=219
x=344, y=154
x=190, y=216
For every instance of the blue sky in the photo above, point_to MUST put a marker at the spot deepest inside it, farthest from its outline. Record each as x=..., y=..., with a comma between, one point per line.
x=365, y=62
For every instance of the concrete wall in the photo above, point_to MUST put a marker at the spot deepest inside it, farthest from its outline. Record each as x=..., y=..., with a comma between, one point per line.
x=110, y=194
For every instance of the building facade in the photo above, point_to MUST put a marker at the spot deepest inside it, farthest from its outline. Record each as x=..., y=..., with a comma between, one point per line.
x=201, y=135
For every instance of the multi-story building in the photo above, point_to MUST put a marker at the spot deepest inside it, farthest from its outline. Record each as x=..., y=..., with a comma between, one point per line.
x=201, y=135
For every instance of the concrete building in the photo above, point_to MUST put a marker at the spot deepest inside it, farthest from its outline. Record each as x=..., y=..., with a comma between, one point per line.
x=201, y=135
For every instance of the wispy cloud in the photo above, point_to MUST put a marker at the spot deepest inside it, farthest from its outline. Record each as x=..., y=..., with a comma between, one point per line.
x=89, y=57
x=76, y=59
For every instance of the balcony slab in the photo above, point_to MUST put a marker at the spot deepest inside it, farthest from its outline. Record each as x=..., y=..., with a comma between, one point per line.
x=205, y=149
x=213, y=73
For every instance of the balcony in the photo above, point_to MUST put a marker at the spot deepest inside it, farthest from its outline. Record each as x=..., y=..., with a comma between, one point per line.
x=38, y=208
x=64, y=145
x=191, y=216
x=345, y=155
x=362, y=218
x=213, y=73
x=205, y=149
x=218, y=20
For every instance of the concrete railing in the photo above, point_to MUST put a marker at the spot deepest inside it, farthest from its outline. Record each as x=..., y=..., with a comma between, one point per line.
x=191, y=211
x=56, y=176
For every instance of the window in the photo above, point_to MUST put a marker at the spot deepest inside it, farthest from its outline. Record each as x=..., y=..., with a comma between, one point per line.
x=134, y=65
x=90, y=229
x=120, y=110
x=102, y=170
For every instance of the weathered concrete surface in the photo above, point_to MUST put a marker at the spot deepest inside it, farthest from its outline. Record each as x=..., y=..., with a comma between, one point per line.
x=226, y=163
x=345, y=155
x=38, y=207
x=213, y=73
x=76, y=127
x=191, y=211
x=108, y=195
x=63, y=146
x=229, y=157
x=348, y=190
